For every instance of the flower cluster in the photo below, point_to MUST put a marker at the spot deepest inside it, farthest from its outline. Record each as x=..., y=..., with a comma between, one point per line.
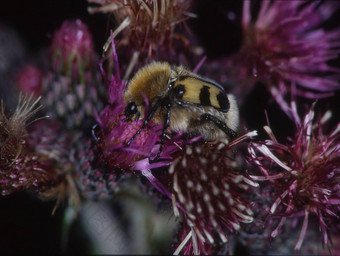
x=304, y=174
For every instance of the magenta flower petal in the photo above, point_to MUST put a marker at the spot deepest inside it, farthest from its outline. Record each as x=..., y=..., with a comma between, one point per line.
x=287, y=46
x=305, y=173
x=208, y=189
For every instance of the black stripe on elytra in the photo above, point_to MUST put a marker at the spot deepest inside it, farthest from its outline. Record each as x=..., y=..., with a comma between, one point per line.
x=179, y=91
x=223, y=101
x=205, y=96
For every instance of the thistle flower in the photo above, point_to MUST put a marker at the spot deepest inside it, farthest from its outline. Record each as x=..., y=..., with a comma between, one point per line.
x=94, y=180
x=208, y=187
x=304, y=174
x=73, y=90
x=72, y=49
x=186, y=238
x=51, y=145
x=147, y=26
x=13, y=130
x=286, y=46
x=31, y=156
x=115, y=132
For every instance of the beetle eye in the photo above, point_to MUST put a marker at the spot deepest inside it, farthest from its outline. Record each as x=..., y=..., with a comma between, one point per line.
x=130, y=110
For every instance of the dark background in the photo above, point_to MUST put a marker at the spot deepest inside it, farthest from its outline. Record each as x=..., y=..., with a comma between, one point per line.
x=36, y=20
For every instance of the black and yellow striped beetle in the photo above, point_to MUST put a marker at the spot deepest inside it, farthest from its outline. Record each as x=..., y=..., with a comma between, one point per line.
x=182, y=101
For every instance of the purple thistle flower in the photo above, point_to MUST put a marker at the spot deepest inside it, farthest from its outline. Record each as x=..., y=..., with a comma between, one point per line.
x=73, y=89
x=72, y=49
x=93, y=179
x=208, y=188
x=147, y=27
x=186, y=240
x=115, y=132
x=304, y=172
x=286, y=47
x=50, y=145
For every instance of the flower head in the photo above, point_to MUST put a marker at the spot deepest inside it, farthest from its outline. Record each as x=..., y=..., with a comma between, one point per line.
x=147, y=26
x=208, y=187
x=32, y=157
x=187, y=243
x=72, y=89
x=286, y=46
x=304, y=174
x=72, y=49
x=13, y=131
x=94, y=179
x=116, y=131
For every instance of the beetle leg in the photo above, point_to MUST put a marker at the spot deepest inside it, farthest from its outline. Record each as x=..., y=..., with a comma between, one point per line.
x=165, y=128
x=146, y=121
x=220, y=124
